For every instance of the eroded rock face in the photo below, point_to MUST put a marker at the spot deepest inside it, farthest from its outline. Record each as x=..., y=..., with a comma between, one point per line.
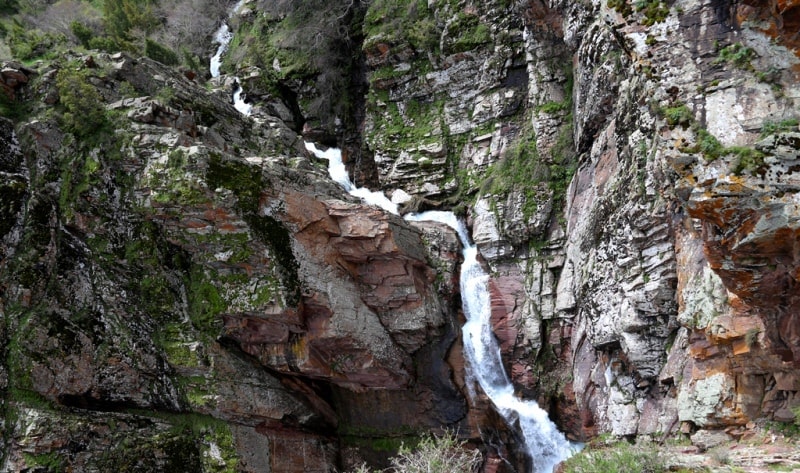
x=657, y=288
x=196, y=267
x=628, y=175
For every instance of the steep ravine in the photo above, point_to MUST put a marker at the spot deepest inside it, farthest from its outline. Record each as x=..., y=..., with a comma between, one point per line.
x=185, y=289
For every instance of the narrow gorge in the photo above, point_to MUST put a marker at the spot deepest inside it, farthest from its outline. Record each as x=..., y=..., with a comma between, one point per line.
x=604, y=193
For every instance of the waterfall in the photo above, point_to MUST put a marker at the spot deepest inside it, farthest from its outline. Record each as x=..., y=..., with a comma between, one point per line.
x=222, y=38
x=339, y=174
x=544, y=443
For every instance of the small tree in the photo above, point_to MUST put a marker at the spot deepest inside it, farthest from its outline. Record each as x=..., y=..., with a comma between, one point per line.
x=84, y=111
x=160, y=53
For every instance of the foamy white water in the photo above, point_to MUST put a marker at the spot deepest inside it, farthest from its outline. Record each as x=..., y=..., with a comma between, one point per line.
x=338, y=173
x=544, y=443
x=223, y=38
x=238, y=102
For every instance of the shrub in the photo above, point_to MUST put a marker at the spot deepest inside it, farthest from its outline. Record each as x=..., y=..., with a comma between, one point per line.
x=26, y=43
x=124, y=16
x=709, y=145
x=104, y=43
x=84, y=112
x=738, y=55
x=621, y=6
x=437, y=453
x=82, y=32
x=654, y=11
x=160, y=53
x=408, y=21
x=554, y=107
x=750, y=160
x=678, y=115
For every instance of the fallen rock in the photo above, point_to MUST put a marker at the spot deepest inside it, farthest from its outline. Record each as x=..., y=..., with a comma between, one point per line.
x=705, y=439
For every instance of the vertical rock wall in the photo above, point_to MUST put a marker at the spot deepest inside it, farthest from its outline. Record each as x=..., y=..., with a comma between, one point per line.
x=626, y=170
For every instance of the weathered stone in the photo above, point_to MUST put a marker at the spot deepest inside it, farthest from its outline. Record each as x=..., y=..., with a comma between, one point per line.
x=705, y=439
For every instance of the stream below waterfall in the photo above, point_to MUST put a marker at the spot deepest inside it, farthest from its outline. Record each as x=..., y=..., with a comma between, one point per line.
x=544, y=443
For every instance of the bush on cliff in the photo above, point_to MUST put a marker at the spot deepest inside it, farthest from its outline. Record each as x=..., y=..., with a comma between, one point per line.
x=434, y=453
x=84, y=112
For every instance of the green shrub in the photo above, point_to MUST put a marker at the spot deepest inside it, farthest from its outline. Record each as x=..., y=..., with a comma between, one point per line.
x=82, y=32
x=738, y=55
x=408, y=21
x=708, y=145
x=160, y=53
x=26, y=43
x=553, y=107
x=750, y=160
x=678, y=115
x=84, y=112
x=621, y=6
x=104, y=43
x=122, y=17
x=469, y=33
x=654, y=11
x=8, y=7
x=11, y=108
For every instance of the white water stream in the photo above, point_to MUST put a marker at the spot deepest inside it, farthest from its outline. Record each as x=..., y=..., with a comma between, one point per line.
x=223, y=38
x=545, y=445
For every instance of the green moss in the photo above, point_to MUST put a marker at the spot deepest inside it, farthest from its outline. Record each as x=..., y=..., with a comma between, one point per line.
x=279, y=240
x=51, y=462
x=749, y=160
x=654, y=11
x=469, y=33
x=679, y=114
x=621, y=6
x=738, y=55
x=12, y=192
x=771, y=127
x=554, y=107
x=521, y=168
x=247, y=185
x=538, y=177
x=205, y=303
x=397, y=22
x=244, y=180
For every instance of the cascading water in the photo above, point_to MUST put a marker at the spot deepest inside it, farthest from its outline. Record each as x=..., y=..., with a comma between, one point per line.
x=223, y=38
x=545, y=445
x=339, y=174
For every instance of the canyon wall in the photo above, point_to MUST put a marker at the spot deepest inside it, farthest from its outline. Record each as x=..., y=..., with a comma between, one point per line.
x=185, y=288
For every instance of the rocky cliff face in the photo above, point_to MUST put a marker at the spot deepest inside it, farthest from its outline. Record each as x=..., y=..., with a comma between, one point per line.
x=626, y=171
x=184, y=288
